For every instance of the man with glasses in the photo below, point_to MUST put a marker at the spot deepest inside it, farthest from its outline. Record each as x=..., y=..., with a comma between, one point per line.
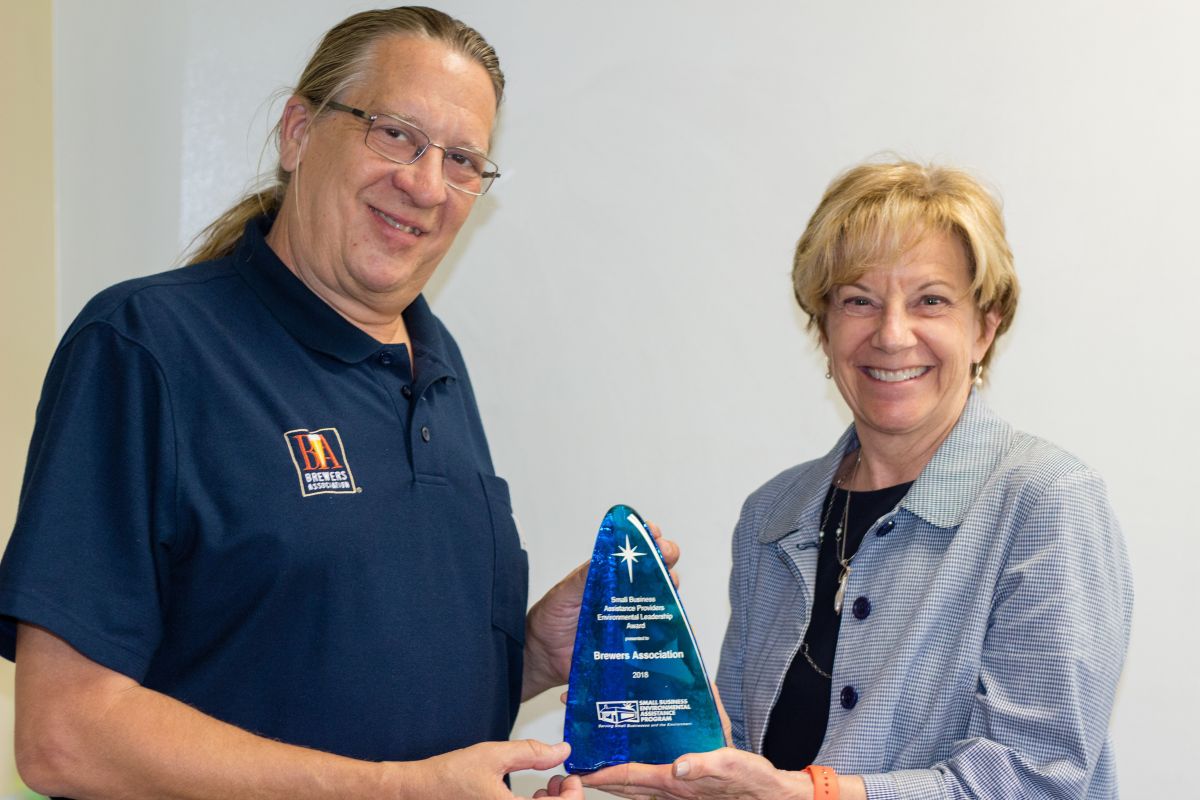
x=261, y=549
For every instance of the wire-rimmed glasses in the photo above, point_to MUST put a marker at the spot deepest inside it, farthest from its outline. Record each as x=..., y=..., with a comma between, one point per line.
x=402, y=142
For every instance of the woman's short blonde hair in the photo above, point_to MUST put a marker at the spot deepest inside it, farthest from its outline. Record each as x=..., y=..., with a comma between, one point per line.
x=872, y=213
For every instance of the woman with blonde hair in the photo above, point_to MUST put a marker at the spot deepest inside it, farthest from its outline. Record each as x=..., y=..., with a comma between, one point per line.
x=938, y=607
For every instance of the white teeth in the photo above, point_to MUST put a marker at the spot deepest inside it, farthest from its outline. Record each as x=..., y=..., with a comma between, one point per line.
x=397, y=224
x=896, y=375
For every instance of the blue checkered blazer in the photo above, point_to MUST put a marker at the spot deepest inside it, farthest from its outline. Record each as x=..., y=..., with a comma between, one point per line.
x=1000, y=601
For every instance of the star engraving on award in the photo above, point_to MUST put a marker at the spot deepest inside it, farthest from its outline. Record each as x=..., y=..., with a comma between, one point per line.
x=629, y=555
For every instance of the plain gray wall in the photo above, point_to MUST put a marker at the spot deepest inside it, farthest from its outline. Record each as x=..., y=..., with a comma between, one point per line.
x=622, y=296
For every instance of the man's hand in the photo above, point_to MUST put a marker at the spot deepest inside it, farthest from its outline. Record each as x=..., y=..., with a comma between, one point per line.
x=550, y=624
x=561, y=786
x=85, y=731
x=477, y=771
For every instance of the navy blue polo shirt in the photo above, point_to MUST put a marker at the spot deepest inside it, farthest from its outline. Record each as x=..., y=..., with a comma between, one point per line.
x=236, y=497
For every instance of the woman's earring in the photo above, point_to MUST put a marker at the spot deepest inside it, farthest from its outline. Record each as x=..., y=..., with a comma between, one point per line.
x=977, y=374
x=828, y=369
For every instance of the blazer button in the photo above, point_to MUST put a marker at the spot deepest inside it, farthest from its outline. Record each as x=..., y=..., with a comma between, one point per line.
x=425, y=435
x=406, y=390
x=886, y=528
x=862, y=608
x=849, y=697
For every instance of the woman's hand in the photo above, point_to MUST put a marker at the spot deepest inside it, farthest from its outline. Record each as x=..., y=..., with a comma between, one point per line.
x=724, y=774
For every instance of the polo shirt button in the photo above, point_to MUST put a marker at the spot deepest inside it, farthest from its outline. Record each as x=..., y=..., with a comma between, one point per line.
x=385, y=358
x=425, y=432
x=406, y=390
x=849, y=697
x=862, y=608
x=885, y=527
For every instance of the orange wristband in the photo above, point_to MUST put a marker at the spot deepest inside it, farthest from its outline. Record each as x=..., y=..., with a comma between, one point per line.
x=825, y=782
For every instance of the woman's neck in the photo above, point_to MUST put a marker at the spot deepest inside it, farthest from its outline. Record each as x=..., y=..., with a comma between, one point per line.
x=889, y=460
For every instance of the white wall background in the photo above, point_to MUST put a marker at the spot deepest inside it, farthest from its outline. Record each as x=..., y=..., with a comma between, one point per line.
x=622, y=296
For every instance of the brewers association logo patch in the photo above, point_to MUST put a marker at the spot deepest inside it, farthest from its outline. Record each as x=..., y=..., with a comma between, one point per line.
x=320, y=459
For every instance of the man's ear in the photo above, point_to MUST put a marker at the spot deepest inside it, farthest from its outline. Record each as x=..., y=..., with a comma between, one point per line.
x=293, y=132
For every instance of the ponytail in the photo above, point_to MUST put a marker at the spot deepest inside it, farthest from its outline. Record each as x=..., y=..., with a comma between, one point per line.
x=222, y=235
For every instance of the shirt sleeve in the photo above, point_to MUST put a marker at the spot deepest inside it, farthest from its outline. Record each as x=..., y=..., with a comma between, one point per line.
x=88, y=559
x=1051, y=659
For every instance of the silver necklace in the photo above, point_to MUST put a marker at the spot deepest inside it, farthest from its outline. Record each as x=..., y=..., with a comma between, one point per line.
x=841, y=557
x=842, y=534
x=813, y=664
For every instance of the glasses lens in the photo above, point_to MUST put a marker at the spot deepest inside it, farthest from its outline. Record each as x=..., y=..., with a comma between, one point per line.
x=468, y=170
x=396, y=139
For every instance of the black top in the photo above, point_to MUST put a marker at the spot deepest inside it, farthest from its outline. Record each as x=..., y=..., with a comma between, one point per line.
x=798, y=721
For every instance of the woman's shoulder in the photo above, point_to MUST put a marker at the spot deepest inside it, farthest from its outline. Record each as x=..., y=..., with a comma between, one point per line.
x=779, y=505
x=1032, y=459
x=790, y=479
x=1034, y=477
x=985, y=449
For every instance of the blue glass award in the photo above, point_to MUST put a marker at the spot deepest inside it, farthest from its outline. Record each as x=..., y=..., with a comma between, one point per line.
x=638, y=691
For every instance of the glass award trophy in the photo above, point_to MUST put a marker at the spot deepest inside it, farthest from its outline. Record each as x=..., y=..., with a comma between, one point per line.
x=638, y=691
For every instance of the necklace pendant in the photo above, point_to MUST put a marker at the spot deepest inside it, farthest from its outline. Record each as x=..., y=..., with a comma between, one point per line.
x=841, y=590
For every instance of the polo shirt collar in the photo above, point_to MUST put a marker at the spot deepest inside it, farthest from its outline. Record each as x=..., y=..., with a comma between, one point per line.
x=941, y=494
x=315, y=324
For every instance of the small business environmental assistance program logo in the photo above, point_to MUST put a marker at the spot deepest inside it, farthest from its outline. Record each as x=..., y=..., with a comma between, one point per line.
x=641, y=712
x=320, y=459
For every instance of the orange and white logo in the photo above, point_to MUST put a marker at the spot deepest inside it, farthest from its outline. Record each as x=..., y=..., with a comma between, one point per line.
x=320, y=459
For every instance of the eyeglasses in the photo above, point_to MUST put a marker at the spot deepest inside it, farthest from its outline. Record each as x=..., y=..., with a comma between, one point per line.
x=401, y=142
